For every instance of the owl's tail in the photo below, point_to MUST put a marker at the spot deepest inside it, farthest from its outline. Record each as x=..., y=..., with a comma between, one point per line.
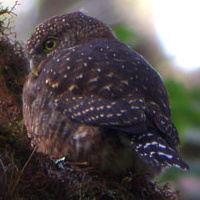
x=155, y=151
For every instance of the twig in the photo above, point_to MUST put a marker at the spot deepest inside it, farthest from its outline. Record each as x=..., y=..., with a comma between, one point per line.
x=22, y=170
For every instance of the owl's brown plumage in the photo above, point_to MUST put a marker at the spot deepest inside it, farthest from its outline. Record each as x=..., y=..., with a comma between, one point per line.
x=91, y=98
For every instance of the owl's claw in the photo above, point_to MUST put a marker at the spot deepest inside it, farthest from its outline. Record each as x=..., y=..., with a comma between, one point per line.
x=82, y=166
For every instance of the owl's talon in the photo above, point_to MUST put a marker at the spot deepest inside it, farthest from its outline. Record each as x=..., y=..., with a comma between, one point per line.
x=80, y=166
x=83, y=163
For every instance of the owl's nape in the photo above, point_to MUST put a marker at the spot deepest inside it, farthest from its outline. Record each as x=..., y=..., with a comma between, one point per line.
x=91, y=98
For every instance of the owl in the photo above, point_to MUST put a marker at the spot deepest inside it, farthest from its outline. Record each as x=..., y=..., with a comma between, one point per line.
x=90, y=98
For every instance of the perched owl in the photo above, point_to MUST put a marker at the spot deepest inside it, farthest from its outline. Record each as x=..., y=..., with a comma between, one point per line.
x=91, y=98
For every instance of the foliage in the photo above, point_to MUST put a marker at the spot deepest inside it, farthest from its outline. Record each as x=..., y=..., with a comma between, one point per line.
x=124, y=34
x=185, y=105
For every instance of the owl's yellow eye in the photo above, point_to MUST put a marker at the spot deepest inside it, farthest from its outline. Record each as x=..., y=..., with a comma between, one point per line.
x=50, y=44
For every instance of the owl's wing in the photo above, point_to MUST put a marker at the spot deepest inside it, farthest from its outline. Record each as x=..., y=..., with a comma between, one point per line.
x=105, y=83
x=125, y=114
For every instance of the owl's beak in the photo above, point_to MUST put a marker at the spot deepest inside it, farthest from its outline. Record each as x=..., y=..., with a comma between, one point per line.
x=37, y=65
x=33, y=67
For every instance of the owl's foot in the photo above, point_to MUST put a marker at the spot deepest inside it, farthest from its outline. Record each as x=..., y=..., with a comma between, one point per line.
x=82, y=163
x=80, y=166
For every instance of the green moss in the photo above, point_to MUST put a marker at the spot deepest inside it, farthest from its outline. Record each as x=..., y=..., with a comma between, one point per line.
x=185, y=105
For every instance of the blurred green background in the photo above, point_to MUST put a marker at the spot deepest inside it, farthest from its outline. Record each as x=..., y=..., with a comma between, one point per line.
x=133, y=22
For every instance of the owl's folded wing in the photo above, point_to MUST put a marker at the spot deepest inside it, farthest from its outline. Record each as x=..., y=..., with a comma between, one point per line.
x=126, y=114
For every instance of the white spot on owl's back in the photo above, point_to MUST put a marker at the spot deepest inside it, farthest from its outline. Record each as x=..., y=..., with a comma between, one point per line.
x=100, y=108
x=135, y=118
x=80, y=76
x=109, y=115
x=108, y=106
x=92, y=108
x=72, y=87
x=124, y=82
x=47, y=81
x=98, y=70
x=107, y=87
x=110, y=74
x=93, y=79
x=55, y=85
x=102, y=115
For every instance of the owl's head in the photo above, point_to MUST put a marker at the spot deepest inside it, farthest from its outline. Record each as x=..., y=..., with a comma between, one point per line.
x=63, y=31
